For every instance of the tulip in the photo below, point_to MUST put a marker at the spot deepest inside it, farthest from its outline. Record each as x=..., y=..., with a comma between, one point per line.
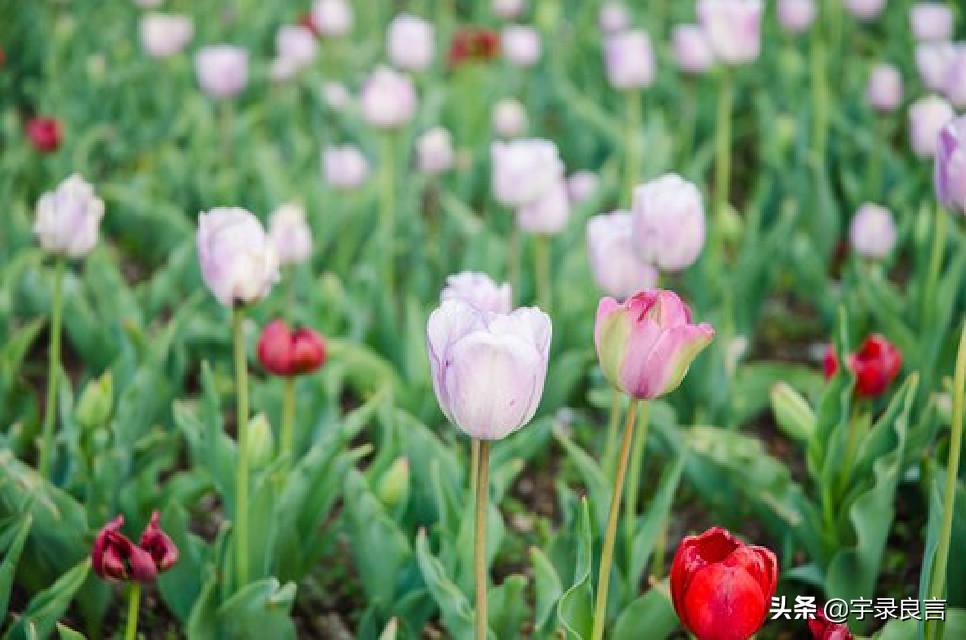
x=94, y=408
x=875, y=365
x=614, y=17
x=524, y=171
x=478, y=290
x=290, y=234
x=261, y=442
x=296, y=43
x=508, y=9
x=393, y=487
x=547, y=214
x=239, y=263
x=332, y=18
x=733, y=28
x=865, y=9
x=222, y=70
x=950, y=174
x=115, y=558
x=521, y=45
x=931, y=21
x=410, y=43
x=387, y=99
x=692, y=51
x=286, y=353
x=581, y=185
x=721, y=588
x=933, y=60
x=473, y=44
x=884, y=92
x=629, y=60
x=616, y=267
x=796, y=16
x=509, y=118
x=68, y=218
x=44, y=133
x=434, y=151
x=345, y=167
x=927, y=117
x=822, y=629
x=336, y=96
x=956, y=77
x=668, y=227
x=647, y=343
x=156, y=542
x=165, y=35
x=873, y=232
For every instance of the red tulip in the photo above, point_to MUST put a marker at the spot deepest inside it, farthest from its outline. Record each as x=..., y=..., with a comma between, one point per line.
x=721, y=587
x=116, y=558
x=822, y=629
x=473, y=44
x=287, y=353
x=156, y=542
x=875, y=365
x=44, y=133
x=305, y=20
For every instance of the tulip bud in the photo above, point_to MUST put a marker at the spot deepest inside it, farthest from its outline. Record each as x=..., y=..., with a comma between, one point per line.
x=884, y=92
x=647, y=343
x=931, y=21
x=165, y=35
x=156, y=542
x=478, y=290
x=692, y=51
x=222, y=70
x=261, y=442
x=238, y=261
x=296, y=43
x=950, y=174
x=286, y=353
x=524, y=171
x=792, y=412
x=616, y=267
x=956, y=77
x=488, y=369
x=96, y=402
x=393, y=486
x=387, y=99
x=668, y=223
x=473, y=44
x=875, y=365
x=115, y=558
x=434, y=151
x=822, y=629
x=629, y=60
x=796, y=16
x=548, y=214
x=508, y=9
x=290, y=234
x=44, y=133
x=345, y=166
x=720, y=583
x=336, y=96
x=873, y=232
x=614, y=17
x=581, y=185
x=521, y=45
x=410, y=43
x=332, y=17
x=68, y=218
x=933, y=60
x=927, y=117
x=865, y=9
x=733, y=28
x=509, y=118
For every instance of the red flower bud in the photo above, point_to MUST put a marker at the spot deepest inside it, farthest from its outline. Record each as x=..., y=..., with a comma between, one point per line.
x=875, y=365
x=287, y=353
x=822, y=629
x=305, y=20
x=473, y=44
x=116, y=558
x=722, y=588
x=156, y=542
x=44, y=133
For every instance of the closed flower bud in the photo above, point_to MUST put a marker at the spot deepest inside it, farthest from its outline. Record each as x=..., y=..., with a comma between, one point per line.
x=332, y=18
x=508, y=9
x=792, y=412
x=222, y=70
x=873, y=232
x=156, y=542
x=290, y=234
x=548, y=214
x=115, y=558
x=616, y=267
x=581, y=185
x=434, y=151
x=472, y=44
x=296, y=43
x=692, y=51
x=614, y=17
x=521, y=45
x=956, y=77
x=647, y=343
x=927, y=117
x=629, y=60
x=668, y=223
x=933, y=60
x=488, y=369
x=875, y=365
x=823, y=629
x=478, y=290
x=68, y=218
x=950, y=175
x=239, y=263
x=524, y=171
x=96, y=402
x=164, y=35
x=410, y=43
x=345, y=167
x=44, y=133
x=796, y=16
x=721, y=588
x=261, y=442
x=865, y=9
x=733, y=28
x=393, y=486
x=884, y=92
x=290, y=353
x=509, y=118
x=387, y=99
x=931, y=21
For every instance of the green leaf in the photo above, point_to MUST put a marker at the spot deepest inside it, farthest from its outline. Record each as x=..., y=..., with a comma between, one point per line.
x=66, y=633
x=598, y=487
x=455, y=609
x=507, y=606
x=47, y=607
x=11, y=542
x=547, y=586
x=650, y=524
x=652, y=611
x=259, y=610
x=181, y=586
x=576, y=608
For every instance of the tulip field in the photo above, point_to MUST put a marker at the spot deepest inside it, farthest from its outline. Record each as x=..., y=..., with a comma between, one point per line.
x=482, y=319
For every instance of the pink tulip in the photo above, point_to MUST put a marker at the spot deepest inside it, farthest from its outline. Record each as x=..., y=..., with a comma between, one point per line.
x=927, y=117
x=796, y=16
x=692, y=51
x=951, y=166
x=931, y=21
x=479, y=290
x=629, y=60
x=872, y=232
x=733, y=28
x=884, y=91
x=616, y=267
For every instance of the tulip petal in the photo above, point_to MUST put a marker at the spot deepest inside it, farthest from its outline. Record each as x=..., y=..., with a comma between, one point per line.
x=725, y=603
x=669, y=359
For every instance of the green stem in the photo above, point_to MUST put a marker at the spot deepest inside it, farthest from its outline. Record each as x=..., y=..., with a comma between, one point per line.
x=874, y=185
x=387, y=209
x=53, y=372
x=934, y=268
x=613, y=424
x=541, y=258
x=241, y=420
x=632, y=141
x=479, y=542
x=634, y=487
x=288, y=420
x=722, y=162
x=938, y=584
x=134, y=600
x=660, y=548
x=607, y=552
x=819, y=95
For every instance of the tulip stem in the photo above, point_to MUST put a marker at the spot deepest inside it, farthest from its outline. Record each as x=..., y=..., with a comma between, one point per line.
x=288, y=420
x=632, y=141
x=386, y=209
x=938, y=584
x=134, y=601
x=819, y=93
x=541, y=258
x=607, y=552
x=634, y=487
x=874, y=184
x=722, y=162
x=513, y=266
x=610, y=446
x=53, y=372
x=479, y=543
x=934, y=268
x=241, y=424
